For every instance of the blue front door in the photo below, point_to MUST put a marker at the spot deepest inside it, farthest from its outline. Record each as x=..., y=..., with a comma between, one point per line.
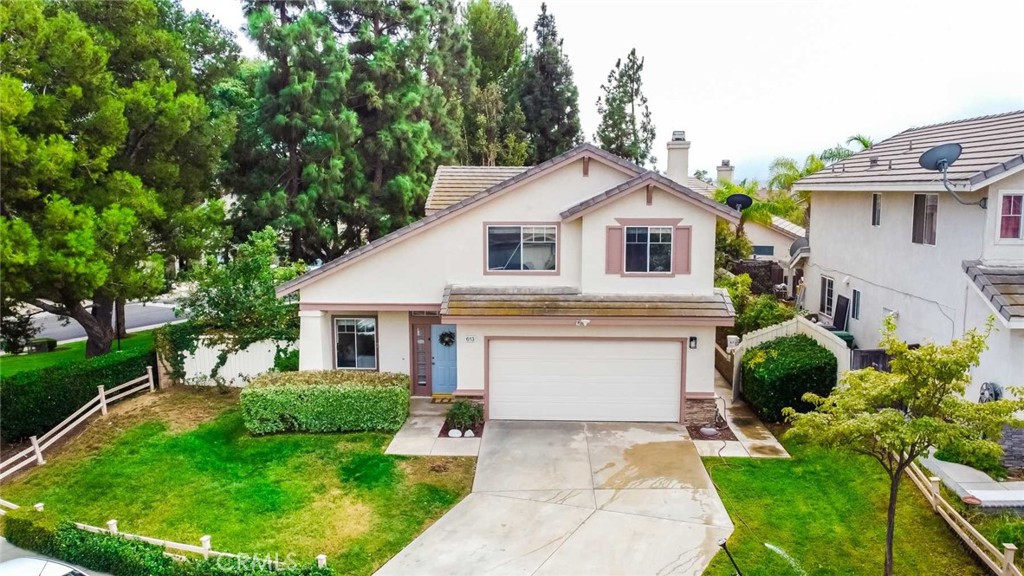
x=442, y=349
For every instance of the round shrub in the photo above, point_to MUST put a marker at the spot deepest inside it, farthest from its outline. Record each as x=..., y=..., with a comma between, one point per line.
x=778, y=373
x=465, y=414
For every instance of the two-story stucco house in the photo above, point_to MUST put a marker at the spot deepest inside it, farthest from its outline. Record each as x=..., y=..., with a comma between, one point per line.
x=887, y=236
x=577, y=289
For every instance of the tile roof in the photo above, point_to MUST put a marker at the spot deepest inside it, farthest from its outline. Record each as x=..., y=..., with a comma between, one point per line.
x=454, y=183
x=1002, y=285
x=505, y=301
x=662, y=182
x=585, y=149
x=991, y=145
x=788, y=228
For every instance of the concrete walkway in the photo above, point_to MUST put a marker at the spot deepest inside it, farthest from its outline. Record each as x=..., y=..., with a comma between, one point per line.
x=565, y=498
x=418, y=436
x=753, y=439
x=967, y=481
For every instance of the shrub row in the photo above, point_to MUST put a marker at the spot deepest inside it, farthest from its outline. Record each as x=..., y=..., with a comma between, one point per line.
x=325, y=401
x=34, y=401
x=779, y=372
x=42, y=533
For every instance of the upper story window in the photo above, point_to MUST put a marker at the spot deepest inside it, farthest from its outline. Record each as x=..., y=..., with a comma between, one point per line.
x=522, y=248
x=1011, y=216
x=876, y=209
x=826, y=296
x=926, y=211
x=649, y=249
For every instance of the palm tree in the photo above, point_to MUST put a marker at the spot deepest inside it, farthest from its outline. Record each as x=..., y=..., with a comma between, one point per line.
x=763, y=208
x=840, y=152
x=864, y=141
x=785, y=172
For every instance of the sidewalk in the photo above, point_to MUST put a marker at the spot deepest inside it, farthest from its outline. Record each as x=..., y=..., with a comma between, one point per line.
x=753, y=439
x=968, y=482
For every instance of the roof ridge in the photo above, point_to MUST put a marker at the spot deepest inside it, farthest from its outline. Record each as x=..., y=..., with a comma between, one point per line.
x=951, y=122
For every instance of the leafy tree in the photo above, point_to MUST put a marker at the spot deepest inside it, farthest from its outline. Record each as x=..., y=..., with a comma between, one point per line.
x=106, y=154
x=451, y=76
x=495, y=129
x=548, y=94
x=16, y=327
x=626, y=128
x=728, y=246
x=496, y=38
x=897, y=416
x=763, y=207
x=298, y=123
x=235, y=305
x=752, y=312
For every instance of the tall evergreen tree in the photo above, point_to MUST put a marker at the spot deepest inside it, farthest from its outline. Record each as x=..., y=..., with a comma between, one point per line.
x=626, y=128
x=548, y=93
x=451, y=74
x=495, y=131
x=496, y=37
x=301, y=126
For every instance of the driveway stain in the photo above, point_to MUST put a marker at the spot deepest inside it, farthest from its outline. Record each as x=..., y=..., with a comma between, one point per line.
x=669, y=464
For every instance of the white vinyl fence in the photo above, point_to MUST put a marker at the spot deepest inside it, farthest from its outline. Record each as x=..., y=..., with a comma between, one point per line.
x=240, y=368
x=104, y=398
x=798, y=325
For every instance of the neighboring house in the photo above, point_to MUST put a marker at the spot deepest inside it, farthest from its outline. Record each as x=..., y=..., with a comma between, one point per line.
x=771, y=242
x=578, y=289
x=887, y=238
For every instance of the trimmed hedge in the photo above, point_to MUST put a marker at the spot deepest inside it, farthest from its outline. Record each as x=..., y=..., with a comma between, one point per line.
x=43, y=533
x=326, y=401
x=778, y=373
x=34, y=401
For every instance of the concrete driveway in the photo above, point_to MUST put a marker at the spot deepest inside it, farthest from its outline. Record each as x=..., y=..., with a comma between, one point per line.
x=564, y=498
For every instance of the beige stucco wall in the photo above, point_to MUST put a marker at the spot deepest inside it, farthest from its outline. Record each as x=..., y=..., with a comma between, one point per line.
x=700, y=363
x=760, y=235
x=1003, y=362
x=998, y=250
x=700, y=280
x=316, y=338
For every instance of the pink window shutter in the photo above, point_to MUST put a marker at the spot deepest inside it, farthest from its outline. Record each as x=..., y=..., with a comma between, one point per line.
x=613, y=250
x=681, y=250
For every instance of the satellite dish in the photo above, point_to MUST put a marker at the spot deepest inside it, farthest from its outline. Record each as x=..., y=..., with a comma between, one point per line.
x=739, y=201
x=940, y=157
x=798, y=245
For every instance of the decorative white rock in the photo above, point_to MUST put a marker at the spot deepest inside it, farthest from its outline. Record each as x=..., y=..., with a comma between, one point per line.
x=455, y=433
x=468, y=434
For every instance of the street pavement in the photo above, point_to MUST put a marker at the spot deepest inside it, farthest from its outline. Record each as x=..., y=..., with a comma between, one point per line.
x=136, y=316
x=9, y=551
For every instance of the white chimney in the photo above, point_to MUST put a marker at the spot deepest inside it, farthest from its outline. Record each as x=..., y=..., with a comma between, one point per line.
x=678, y=157
x=725, y=172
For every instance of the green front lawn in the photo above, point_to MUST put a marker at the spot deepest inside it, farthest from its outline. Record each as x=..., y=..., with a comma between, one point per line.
x=69, y=352
x=181, y=465
x=826, y=510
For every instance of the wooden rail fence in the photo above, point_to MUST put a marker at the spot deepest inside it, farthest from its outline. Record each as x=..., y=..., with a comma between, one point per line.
x=1000, y=562
x=104, y=398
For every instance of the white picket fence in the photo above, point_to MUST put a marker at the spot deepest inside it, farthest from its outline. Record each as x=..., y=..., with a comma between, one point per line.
x=240, y=368
x=104, y=398
x=798, y=325
x=1000, y=562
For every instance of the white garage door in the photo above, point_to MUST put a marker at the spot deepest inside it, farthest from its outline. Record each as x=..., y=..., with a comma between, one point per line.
x=598, y=380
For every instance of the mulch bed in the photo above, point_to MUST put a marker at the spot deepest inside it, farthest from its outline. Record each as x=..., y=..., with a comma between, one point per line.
x=724, y=433
x=478, y=430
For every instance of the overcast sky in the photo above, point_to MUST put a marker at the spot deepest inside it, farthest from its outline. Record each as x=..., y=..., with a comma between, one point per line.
x=750, y=81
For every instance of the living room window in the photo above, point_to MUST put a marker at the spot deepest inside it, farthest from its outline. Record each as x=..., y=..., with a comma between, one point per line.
x=926, y=210
x=522, y=248
x=827, y=293
x=355, y=343
x=649, y=249
x=1011, y=216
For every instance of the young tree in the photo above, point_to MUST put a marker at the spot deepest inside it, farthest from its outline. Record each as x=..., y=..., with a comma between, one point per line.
x=626, y=128
x=897, y=416
x=548, y=94
x=234, y=304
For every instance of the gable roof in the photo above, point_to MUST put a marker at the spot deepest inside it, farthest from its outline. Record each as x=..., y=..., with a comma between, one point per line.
x=583, y=150
x=992, y=146
x=791, y=229
x=662, y=182
x=454, y=183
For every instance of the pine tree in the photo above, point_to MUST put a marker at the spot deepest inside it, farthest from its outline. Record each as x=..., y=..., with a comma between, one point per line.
x=626, y=128
x=548, y=94
x=496, y=37
x=451, y=74
x=496, y=136
x=299, y=107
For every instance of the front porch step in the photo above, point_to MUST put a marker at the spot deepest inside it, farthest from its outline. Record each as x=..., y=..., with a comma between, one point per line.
x=424, y=406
